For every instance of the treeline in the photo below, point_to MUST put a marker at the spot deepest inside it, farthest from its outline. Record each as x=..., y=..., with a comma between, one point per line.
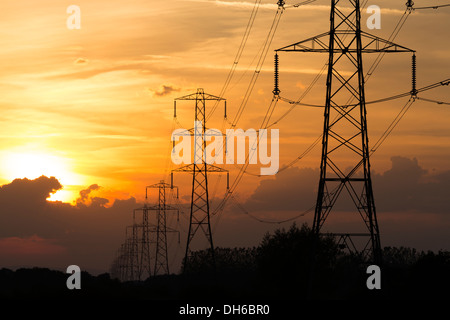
x=278, y=269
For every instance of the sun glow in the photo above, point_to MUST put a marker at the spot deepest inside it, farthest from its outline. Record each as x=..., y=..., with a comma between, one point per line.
x=32, y=165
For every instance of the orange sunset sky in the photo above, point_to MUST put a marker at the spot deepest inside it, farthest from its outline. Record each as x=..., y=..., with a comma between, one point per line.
x=94, y=106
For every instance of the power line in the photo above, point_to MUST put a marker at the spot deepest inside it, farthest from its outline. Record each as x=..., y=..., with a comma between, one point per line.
x=259, y=65
x=393, y=124
x=264, y=50
x=270, y=221
x=374, y=65
x=308, y=150
x=247, y=95
x=298, y=102
x=243, y=104
x=238, y=54
x=300, y=4
x=388, y=130
x=433, y=101
x=392, y=37
x=394, y=97
x=433, y=7
x=266, y=119
x=272, y=106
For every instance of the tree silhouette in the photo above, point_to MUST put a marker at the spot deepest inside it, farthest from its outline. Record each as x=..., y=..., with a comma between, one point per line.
x=284, y=260
x=279, y=268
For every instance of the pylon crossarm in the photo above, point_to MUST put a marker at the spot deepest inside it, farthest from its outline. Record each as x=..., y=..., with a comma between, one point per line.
x=186, y=168
x=159, y=185
x=185, y=133
x=389, y=46
x=205, y=96
x=299, y=46
x=191, y=132
x=158, y=207
x=373, y=45
x=190, y=168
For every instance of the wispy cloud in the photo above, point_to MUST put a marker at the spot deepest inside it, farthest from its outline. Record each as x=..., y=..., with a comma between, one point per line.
x=93, y=72
x=165, y=90
x=81, y=61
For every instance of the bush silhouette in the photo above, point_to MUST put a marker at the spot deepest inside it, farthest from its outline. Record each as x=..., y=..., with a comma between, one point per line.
x=280, y=267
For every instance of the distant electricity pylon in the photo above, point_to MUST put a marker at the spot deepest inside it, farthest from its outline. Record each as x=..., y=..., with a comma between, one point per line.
x=134, y=257
x=143, y=246
x=345, y=145
x=122, y=267
x=161, y=255
x=200, y=212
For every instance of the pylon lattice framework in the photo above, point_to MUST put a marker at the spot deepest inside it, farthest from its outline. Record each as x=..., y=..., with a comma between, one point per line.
x=345, y=125
x=134, y=257
x=199, y=214
x=161, y=254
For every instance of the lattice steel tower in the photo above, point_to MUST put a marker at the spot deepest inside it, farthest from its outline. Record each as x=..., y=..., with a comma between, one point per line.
x=161, y=256
x=133, y=257
x=200, y=211
x=142, y=239
x=345, y=146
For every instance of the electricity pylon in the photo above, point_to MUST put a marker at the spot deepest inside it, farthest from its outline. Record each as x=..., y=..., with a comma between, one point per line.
x=133, y=259
x=345, y=144
x=161, y=255
x=129, y=256
x=119, y=267
x=143, y=238
x=200, y=214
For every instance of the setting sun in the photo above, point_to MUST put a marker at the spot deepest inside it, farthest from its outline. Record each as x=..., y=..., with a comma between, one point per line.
x=32, y=165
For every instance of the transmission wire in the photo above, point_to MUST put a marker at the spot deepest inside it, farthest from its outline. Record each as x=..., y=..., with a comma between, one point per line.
x=238, y=54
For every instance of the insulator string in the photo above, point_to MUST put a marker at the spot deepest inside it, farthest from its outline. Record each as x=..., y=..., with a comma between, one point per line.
x=276, y=89
x=414, y=67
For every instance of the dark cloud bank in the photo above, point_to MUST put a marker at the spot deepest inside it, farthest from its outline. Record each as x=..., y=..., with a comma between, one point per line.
x=404, y=187
x=61, y=234
x=412, y=206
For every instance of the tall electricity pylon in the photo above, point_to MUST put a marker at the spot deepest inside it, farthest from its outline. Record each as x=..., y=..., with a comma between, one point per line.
x=161, y=255
x=200, y=214
x=345, y=146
